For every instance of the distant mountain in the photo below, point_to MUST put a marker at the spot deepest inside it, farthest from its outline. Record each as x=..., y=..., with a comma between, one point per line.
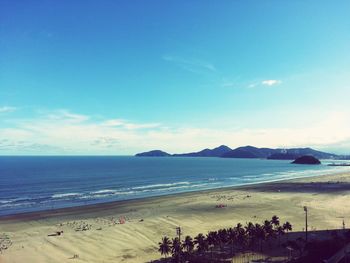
x=282, y=156
x=298, y=152
x=216, y=152
x=239, y=153
x=248, y=152
x=154, y=153
x=276, y=154
x=306, y=159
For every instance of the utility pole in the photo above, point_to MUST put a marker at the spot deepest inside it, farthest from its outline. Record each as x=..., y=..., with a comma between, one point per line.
x=178, y=232
x=305, y=209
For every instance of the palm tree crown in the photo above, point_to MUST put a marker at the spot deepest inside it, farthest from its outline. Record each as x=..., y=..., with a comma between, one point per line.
x=201, y=242
x=287, y=226
x=237, y=238
x=164, y=246
x=176, y=247
x=188, y=244
x=275, y=221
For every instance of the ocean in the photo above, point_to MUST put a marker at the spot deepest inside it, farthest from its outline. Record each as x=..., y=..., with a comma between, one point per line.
x=42, y=183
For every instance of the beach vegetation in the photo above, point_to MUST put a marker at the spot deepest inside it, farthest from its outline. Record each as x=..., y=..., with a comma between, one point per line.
x=235, y=239
x=164, y=246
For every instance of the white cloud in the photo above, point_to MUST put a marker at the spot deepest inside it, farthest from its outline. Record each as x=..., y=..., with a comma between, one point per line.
x=67, y=115
x=69, y=133
x=73, y=134
x=129, y=125
x=253, y=85
x=267, y=82
x=192, y=65
x=271, y=82
x=5, y=109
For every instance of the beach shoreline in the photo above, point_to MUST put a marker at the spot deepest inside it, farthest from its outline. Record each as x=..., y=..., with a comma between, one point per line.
x=102, y=206
x=148, y=219
x=90, y=208
x=72, y=182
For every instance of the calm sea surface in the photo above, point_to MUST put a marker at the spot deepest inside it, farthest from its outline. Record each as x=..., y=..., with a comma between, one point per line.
x=40, y=183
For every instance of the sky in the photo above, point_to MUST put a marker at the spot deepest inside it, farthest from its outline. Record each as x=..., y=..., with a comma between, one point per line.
x=120, y=77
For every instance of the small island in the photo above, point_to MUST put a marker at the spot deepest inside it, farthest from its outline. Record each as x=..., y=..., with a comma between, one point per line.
x=154, y=153
x=306, y=159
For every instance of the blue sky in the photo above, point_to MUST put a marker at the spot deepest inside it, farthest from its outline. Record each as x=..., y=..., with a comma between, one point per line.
x=118, y=77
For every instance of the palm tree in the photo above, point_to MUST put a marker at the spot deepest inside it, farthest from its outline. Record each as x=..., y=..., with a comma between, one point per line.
x=238, y=227
x=250, y=231
x=222, y=237
x=269, y=231
x=164, y=246
x=201, y=242
x=232, y=237
x=176, y=248
x=188, y=244
x=260, y=234
x=212, y=240
x=241, y=235
x=275, y=221
x=287, y=227
x=280, y=232
x=268, y=227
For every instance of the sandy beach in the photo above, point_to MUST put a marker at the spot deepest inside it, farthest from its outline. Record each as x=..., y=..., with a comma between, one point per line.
x=94, y=233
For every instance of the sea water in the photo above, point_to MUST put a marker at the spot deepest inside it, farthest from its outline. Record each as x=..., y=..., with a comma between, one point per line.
x=42, y=183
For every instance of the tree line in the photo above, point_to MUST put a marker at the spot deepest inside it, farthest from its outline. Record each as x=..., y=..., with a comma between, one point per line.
x=237, y=238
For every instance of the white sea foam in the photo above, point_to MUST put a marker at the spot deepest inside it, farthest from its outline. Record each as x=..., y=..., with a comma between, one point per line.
x=172, y=188
x=125, y=193
x=104, y=191
x=159, y=185
x=96, y=196
x=266, y=174
x=245, y=176
x=65, y=195
x=23, y=204
x=199, y=185
x=15, y=200
x=104, y=194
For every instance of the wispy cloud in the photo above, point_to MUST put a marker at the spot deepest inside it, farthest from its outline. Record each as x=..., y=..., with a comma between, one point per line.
x=71, y=133
x=66, y=115
x=192, y=65
x=129, y=125
x=28, y=147
x=253, y=85
x=5, y=109
x=106, y=142
x=231, y=82
x=271, y=82
x=64, y=132
x=267, y=82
